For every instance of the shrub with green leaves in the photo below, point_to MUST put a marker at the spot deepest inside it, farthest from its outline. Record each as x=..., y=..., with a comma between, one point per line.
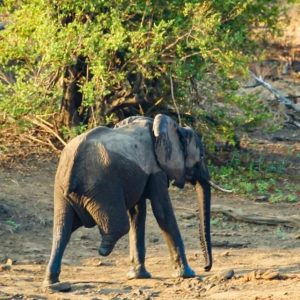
x=95, y=62
x=256, y=175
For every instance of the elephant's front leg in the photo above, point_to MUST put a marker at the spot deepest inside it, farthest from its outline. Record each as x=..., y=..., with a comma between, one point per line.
x=137, y=216
x=163, y=212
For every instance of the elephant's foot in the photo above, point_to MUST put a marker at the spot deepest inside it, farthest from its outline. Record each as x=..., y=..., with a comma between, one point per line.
x=107, y=245
x=51, y=283
x=184, y=272
x=56, y=287
x=51, y=278
x=138, y=273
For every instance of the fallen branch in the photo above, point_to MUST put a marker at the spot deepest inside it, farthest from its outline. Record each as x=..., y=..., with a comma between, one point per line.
x=52, y=146
x=227, y=244
x=45, y=143
x=32, y=138
x=243, y=216
x=174, y=101
x=44, y=122
x=238, y=214
x=47, y=129
x=281, y=98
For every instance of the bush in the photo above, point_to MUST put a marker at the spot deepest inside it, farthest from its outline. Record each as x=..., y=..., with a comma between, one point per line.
x=96, y=62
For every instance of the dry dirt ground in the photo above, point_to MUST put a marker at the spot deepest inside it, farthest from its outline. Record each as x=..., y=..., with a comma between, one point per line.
x=250, y=261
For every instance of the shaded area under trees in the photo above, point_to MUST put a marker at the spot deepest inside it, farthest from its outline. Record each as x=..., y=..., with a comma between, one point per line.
x=85, y=63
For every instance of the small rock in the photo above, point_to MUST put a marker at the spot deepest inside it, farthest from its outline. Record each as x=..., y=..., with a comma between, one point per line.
x=4, y=209
x=266, y=275
x=228, y=274
x=9, y=262
x=270, y=275
x=93, y=262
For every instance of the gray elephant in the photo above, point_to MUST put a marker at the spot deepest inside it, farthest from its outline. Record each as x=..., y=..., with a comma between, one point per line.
x=104, y=177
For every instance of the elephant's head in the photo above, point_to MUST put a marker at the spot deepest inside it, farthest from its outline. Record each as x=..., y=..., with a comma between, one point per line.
x=180, y=153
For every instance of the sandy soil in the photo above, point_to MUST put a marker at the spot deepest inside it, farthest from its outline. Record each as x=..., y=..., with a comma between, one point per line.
x=250, y=261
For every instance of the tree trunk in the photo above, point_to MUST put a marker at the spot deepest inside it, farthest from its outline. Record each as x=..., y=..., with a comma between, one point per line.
x=71, y=113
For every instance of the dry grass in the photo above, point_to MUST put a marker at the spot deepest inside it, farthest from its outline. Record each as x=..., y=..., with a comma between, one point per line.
x=17, y=146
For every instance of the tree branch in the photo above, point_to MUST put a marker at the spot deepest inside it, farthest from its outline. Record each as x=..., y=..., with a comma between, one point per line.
x=281, y=98
x=240, y=215
x=174, y=101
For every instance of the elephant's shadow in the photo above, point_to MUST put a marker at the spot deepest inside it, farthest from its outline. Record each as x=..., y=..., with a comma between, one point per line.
x=110, y=288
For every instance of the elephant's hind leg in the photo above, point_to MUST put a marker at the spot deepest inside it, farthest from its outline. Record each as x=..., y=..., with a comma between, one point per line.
x=64, y=223
x=137, y=216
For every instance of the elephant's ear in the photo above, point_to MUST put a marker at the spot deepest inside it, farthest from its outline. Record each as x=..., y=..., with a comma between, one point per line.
x=168, y=148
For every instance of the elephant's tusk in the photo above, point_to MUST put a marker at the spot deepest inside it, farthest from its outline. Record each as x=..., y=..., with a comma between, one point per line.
x=219, y=188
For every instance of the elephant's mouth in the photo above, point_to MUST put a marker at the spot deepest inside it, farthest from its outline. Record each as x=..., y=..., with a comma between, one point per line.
x=191, y=180
x=180, y=184
x=190, y=176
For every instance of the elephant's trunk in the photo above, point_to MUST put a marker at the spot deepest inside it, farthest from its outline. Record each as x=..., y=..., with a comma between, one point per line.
x=204, y=197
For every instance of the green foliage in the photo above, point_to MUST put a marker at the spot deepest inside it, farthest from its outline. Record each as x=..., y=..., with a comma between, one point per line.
x=280, y=233
x=215, y=221
x=207, y=42
x=13, y=225
x=255, y=176
x=69, y=133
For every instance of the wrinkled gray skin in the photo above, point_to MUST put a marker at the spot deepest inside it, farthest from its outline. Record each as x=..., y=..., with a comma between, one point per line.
x=104, y=177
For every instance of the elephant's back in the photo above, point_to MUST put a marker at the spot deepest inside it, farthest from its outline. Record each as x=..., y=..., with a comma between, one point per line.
x=131, y=143
x=91, y=156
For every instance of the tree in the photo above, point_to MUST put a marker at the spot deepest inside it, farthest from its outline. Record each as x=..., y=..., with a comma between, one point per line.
x=95, y=62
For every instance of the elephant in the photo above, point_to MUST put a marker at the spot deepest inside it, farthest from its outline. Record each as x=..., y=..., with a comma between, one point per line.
x=105, y=176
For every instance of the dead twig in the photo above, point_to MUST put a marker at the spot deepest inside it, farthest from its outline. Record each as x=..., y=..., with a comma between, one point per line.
x=174, y=101
x=32, y=138
x=44, y=122
x=47, y=129
x=154, y=105
x=39, y=141
x=52, y=146
x=281, y=98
